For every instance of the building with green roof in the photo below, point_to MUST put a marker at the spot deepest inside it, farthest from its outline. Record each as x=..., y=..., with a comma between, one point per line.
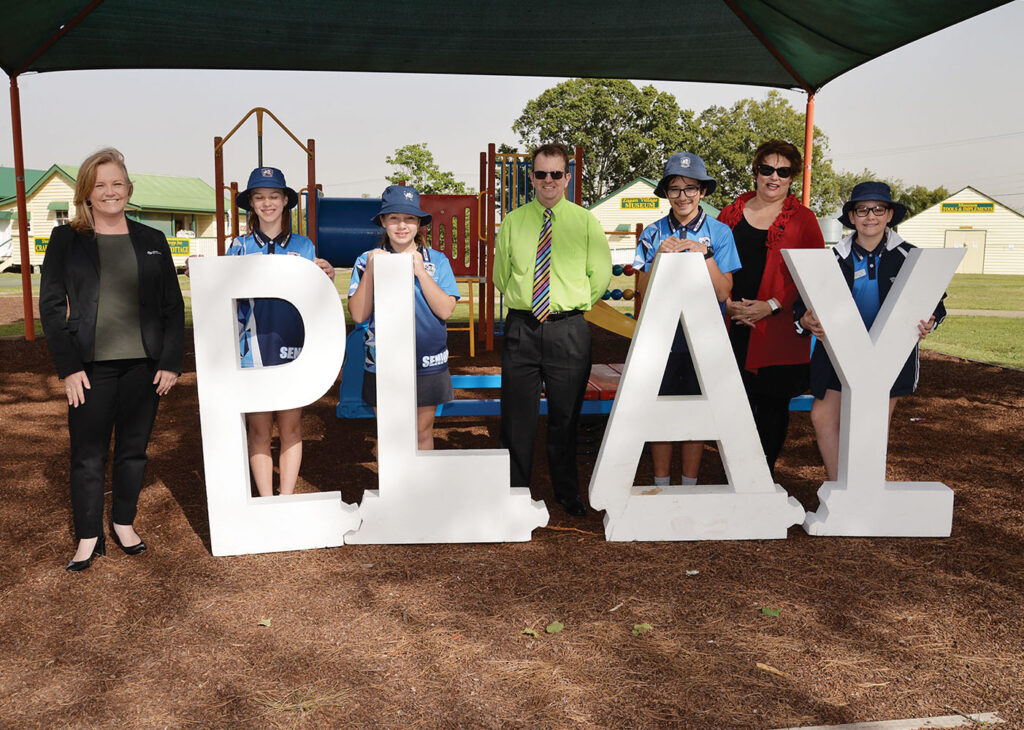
x=7, y=184
x=183, y=208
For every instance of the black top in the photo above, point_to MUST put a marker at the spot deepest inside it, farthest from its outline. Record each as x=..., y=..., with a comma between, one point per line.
x=751, y=244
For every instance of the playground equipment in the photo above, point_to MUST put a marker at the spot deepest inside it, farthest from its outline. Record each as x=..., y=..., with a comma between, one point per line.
x=219, y=188
x=463, y=228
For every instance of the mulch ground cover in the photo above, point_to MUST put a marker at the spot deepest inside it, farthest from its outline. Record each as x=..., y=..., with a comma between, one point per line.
x=432, y=636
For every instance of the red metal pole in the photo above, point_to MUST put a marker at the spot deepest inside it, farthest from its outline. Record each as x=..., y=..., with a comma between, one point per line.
x=19, y=182
x=490, y=246
x=637, y=298
x=235, y=225
x=808, y=149
x=481, y=248
x=311, y=196
x=218, y=191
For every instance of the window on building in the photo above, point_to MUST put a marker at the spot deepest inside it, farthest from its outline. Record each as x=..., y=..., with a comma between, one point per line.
x=62, y=217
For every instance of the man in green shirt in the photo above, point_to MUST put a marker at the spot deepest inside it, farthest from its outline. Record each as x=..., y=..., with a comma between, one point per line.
x=552, y=263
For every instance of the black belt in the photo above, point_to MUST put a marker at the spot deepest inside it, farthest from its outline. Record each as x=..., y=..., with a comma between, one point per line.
x=552, y=317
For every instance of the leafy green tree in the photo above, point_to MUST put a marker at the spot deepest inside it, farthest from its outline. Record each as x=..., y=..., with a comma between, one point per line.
x=624, y=131
x=919, y=198
x=916, y=197
x=414, y=164
x=727, y=138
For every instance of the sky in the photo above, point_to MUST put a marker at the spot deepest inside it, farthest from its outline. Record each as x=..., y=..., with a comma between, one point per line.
x=945, y=110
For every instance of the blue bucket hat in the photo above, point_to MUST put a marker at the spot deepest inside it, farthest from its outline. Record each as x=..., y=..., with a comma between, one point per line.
x=872, y=191
x=686, y=164
x=401, y=199
x=267, y=177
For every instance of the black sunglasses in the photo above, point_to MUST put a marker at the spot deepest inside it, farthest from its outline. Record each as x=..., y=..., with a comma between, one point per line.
x=767, y=171
x=555, y=174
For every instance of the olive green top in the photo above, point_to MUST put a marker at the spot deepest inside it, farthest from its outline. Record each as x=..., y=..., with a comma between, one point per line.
x=118, y=331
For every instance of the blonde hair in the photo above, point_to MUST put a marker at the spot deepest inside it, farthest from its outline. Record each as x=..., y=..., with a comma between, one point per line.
x=83, y=221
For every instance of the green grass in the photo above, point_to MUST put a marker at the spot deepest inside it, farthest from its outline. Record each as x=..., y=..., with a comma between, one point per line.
x=986, y=291
x=18, y=329
x=995, y=340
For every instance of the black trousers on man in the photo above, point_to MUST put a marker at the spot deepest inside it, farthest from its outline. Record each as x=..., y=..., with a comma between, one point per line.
x=557, y=354
x=122, y=399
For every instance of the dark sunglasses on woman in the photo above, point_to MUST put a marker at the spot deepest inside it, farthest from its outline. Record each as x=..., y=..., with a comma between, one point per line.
x=767, y=171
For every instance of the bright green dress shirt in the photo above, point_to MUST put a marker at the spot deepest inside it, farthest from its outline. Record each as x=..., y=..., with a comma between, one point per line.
x=581, y=263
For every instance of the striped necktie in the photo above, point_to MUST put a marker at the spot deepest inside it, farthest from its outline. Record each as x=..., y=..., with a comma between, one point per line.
x=542, y=271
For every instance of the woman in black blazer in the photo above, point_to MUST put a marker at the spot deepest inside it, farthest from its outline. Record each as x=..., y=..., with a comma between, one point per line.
x=116, y=338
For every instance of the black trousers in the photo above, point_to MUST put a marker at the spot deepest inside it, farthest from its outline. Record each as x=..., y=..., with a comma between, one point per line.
x=557, y=354
x=771, y=416
x=122, y=400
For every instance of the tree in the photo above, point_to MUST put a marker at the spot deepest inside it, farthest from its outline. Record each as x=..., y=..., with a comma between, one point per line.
x=727, y=139
x=414, y=164
x=624, y=131
x=917, y=197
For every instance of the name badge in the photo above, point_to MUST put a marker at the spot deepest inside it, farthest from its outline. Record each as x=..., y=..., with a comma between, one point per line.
x=860, y=273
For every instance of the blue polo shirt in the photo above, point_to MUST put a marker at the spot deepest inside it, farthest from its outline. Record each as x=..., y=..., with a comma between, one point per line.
x=865, y=281
x=270, y=331
x=431, y=330
x=703, y=229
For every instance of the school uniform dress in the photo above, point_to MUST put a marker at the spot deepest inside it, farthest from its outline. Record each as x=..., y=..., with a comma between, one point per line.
x=111, y=306
x=555, y=352
x=270, y=331
x=433, y=380
x=869, y=275
x=773, y=358
x=680, y=377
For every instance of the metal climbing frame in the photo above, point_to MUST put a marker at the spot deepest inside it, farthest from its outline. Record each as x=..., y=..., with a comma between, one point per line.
x=218, y=173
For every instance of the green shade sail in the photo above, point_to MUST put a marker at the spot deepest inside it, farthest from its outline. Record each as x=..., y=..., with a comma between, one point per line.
x=783, y=43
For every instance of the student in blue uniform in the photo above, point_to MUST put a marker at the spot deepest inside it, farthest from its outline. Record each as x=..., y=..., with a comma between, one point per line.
x=436, y=293
x=686, y=228
x=270, y=331
x=870, y=258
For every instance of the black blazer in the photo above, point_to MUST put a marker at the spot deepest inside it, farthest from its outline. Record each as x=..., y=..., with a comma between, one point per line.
x=69, y=298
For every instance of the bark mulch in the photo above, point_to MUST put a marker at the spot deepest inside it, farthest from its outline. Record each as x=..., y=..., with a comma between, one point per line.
x=432, y=636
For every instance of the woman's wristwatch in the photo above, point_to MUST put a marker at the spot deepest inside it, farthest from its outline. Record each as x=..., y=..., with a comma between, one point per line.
x=774, y=305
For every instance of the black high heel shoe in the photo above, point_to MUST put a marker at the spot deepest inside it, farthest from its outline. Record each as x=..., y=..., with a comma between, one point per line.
x=99, y=549
x=135, y=549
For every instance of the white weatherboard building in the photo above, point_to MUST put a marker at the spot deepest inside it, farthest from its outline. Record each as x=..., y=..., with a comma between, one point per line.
x=992, y=233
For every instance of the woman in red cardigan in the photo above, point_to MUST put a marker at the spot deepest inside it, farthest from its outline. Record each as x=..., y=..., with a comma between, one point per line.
x=773, y=358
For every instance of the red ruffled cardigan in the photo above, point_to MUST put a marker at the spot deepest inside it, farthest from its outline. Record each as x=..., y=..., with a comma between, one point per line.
x=773, y=340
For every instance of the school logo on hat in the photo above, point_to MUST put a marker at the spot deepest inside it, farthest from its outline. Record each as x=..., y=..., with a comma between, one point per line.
x=686, y=164
x=401, y=199
x=267, y=177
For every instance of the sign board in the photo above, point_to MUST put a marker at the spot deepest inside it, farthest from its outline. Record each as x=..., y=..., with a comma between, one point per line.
x=180, y=246
x=643, y=203
x=968, y=207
